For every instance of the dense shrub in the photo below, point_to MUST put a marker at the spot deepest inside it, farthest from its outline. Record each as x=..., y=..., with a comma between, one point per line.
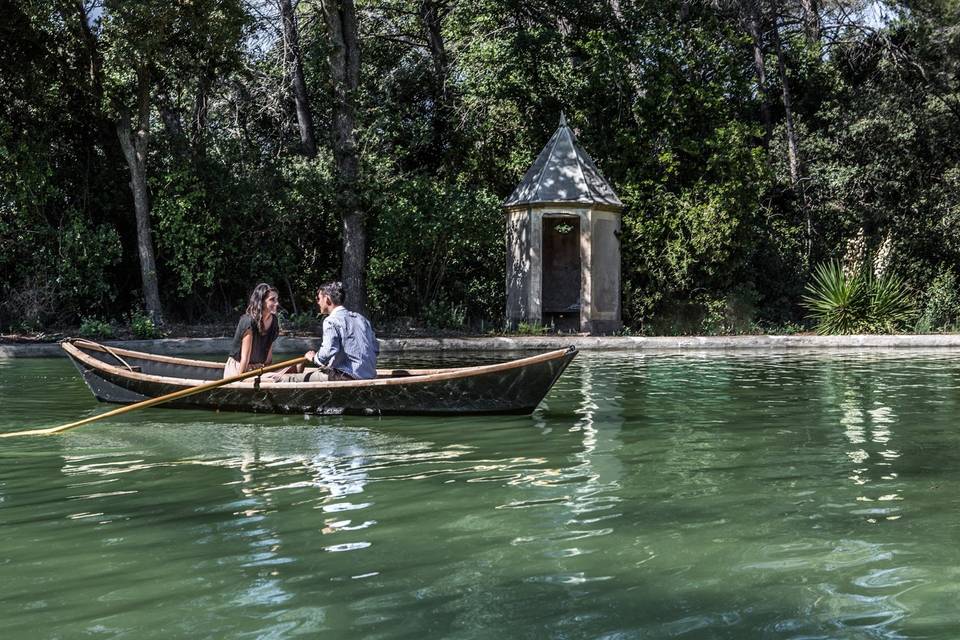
x=437, y=252
x=942, y=309
x=143, y=327
x=96, y=328
x=300, y=321
x=720, y=229
x=440, y=314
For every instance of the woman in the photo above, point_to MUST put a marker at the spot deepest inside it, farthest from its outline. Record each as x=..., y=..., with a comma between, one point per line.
x=256, y=331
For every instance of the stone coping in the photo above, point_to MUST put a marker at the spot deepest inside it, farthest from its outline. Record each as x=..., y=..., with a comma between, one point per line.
x=295, y=344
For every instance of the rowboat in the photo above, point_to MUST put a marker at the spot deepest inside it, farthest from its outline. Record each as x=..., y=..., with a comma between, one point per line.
x=124, y=376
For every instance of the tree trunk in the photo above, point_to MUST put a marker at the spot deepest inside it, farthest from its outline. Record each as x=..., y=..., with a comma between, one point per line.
x=634, y=72
x=81, y=19
x=308, y=140
x=134, y=145
x=431, y=19
x=793, y=152
x=793, y=144
x=173, y=123
x=355, y=259
x=75, y=15
x=753, y=19
x=344, y=59
x=811, y=20
x=201, y=107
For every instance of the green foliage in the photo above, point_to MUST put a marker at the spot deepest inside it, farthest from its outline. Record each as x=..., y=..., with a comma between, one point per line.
x=58, y=272
x=142, y=326
x=28, y=325
x=187, y=230
x=681, y=240
x=278, y=224
x=715, y=319
x=837, y=302
x=782, y=329
x=88, y=253
x=96, y=328
x=302, y=321
x=732, y=314
x=890, y=304
x=843, y=303
x=530, y=329
x=437, y=246
x=440, y=314
x=942, y=309
x=716, y=236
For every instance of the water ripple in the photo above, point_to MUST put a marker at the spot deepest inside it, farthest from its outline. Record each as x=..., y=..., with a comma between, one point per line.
x=655, y=494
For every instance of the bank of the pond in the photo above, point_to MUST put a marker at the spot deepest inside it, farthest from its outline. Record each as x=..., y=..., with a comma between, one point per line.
x=294, y=344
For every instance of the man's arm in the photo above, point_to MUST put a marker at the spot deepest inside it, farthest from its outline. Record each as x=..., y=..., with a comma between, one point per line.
x=328, y=348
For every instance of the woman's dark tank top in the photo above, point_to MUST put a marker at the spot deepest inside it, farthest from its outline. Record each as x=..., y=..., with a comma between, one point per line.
x=261, y=342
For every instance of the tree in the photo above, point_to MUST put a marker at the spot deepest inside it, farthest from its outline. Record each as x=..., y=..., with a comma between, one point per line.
x=135, y=48
x=747, y=138
x=344, y=62
x=291, y=44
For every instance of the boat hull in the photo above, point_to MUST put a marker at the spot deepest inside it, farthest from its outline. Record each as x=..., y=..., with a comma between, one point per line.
x=515, y=387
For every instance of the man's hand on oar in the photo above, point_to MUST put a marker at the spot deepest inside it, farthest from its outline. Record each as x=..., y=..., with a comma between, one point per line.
x=183, y=393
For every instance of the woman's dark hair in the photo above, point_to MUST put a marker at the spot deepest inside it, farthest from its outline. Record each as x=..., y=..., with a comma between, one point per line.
x=258, y=299
x=334, y=290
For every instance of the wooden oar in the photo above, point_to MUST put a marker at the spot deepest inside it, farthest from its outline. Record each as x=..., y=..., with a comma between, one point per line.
x=183, y=393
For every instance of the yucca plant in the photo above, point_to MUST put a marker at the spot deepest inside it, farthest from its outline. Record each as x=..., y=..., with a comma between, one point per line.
x=891, y=307
x=857, y=303
x=837, y=302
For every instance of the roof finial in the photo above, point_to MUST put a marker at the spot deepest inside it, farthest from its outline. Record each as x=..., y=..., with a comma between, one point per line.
x=563, y=120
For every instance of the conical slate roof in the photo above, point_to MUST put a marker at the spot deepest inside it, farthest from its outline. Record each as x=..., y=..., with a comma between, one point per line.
x=563, y=172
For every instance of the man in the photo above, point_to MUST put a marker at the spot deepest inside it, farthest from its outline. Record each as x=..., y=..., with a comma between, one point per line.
x=349, y=349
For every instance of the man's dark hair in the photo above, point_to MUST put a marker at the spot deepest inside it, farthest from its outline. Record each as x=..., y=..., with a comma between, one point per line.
x=334, y=290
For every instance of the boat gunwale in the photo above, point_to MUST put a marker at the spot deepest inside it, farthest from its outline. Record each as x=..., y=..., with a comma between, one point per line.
x=440, y=375
x=190, y=362
x=156, y=357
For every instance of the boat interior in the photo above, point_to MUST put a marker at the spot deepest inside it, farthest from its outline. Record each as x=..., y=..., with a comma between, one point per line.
x=188, y=368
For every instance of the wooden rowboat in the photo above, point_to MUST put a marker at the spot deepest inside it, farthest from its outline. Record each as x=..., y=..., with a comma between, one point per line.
x=124, y=376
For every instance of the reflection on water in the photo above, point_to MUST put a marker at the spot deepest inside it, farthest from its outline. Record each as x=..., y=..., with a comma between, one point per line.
x=652, y=495
x=869, y=430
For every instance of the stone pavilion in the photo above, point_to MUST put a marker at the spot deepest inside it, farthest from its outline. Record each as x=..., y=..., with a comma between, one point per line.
x=563, y=242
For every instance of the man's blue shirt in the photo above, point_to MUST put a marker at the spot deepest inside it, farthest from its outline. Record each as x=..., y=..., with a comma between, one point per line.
x=349, y=345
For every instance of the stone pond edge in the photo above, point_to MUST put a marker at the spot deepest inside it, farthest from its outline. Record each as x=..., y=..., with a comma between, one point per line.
x=295, y=344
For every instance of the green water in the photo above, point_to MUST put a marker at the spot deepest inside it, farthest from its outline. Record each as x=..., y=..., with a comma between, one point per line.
x=651, y=496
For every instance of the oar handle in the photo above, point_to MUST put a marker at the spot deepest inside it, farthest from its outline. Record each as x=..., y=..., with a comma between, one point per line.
x=150, y=402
